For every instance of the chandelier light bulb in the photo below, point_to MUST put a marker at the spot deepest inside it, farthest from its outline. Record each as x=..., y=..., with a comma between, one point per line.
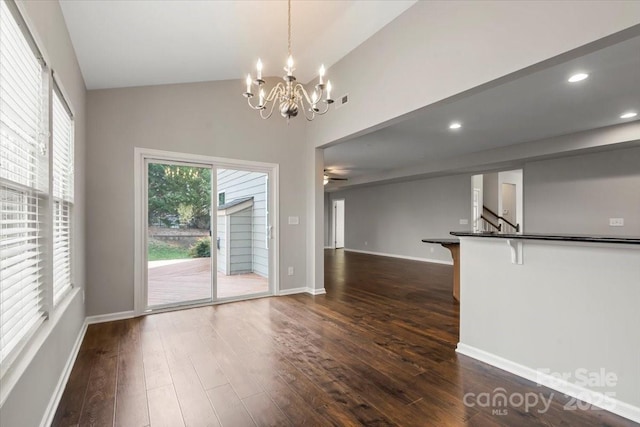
x=314, y=97
x=329, y=89
x=321, y=73
x=259, y=68
x=290, y=65
x=248, y=83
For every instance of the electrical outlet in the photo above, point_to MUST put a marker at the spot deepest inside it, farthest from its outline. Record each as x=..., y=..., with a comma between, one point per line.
x=294, y=220
x=616, y=222
x=464, y=222
x=290, y=271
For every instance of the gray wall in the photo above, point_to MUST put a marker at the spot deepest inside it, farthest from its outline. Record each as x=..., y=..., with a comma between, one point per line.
x=238, y=184
x=201, y=118
x=579, y=194
x=393, y=218
x=463, y=42
x=30, y=387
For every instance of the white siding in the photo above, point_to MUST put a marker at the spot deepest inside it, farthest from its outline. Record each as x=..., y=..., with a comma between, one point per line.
x=239, y=184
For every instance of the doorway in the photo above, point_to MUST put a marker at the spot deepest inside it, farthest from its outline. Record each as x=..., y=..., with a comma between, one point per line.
x=204, y=232
x=338, y=224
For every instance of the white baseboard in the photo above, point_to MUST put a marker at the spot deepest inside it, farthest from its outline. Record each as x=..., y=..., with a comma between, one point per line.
x=329, y=247
x=303, y=290
x=563, y=386
x=412, y=258
x=283, y=292
x=50, y=412
x=101, y=318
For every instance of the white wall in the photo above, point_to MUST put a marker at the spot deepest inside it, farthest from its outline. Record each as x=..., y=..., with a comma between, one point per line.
x=201, y=118
x=394, y=218
x=30, y=387
x=579, y=194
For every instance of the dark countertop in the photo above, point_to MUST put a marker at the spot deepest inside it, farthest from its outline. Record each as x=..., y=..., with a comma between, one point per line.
x=445, y=241
x=553, y=237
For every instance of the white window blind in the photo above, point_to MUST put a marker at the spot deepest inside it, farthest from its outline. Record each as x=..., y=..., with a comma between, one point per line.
x=62, y=131
x=23, y=184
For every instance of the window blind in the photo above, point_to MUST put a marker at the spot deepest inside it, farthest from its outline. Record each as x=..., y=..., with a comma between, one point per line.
x=23, y=184
x=62, y=131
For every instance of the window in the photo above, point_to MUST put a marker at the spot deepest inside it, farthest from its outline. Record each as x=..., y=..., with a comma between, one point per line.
x=24, y=185
x=221, y=197
x=62, y=131
x=36, y=200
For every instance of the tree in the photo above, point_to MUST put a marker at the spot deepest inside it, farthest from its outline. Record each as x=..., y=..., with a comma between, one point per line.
x=171, y=186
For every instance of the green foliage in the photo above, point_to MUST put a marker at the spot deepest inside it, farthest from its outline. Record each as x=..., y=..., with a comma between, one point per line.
x=201, y=249
x=159, y=250
x=186, y=213
x=172, y=186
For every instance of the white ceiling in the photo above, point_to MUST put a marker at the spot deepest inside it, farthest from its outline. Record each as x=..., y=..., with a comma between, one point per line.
x=139, y=43
x=537, y=106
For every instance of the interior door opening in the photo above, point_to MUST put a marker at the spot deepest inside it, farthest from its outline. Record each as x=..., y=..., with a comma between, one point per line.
x=338, y=224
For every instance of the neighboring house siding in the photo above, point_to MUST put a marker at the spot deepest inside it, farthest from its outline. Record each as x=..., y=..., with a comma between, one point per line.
x=239, y=184
x=241, y=247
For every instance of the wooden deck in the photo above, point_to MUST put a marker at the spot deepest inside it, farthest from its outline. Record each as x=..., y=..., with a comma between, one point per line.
x=190, y=280
x=377, y=350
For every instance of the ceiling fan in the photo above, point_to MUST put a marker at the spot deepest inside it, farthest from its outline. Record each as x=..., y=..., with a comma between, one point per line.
x=327, y=179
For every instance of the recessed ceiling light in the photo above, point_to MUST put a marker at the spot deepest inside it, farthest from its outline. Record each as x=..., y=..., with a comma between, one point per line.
x=578, y=77
x=455, y=125
x=628, y=115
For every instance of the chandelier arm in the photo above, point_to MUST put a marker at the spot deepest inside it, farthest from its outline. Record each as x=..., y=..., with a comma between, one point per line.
x=254, y=107
x=274, y=92
x=301, y=92
x=262, y=115
x=322, y=112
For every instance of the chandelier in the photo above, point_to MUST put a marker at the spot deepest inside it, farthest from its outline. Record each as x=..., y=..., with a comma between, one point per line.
x=290, y=96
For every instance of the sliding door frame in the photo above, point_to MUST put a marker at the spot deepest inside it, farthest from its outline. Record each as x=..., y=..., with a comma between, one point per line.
x=144, y=155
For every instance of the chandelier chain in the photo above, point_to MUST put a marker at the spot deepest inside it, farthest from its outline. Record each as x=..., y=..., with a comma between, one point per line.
x=289, y=27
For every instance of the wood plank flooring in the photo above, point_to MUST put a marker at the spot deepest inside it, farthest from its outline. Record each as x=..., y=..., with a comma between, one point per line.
x=377, y=350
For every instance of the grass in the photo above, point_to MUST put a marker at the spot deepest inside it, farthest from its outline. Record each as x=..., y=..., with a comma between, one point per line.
x=159, y=250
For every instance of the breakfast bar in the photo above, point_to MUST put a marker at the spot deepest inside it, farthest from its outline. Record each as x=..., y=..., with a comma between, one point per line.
x=550, y=306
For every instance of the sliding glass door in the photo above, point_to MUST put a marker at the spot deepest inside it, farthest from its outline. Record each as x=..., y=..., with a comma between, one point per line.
x=207, y=232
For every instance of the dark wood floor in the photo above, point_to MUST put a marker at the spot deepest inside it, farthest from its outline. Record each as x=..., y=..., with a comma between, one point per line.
x=377, y=350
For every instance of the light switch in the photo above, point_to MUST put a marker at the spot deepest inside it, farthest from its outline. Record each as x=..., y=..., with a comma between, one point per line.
x=294, y=220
